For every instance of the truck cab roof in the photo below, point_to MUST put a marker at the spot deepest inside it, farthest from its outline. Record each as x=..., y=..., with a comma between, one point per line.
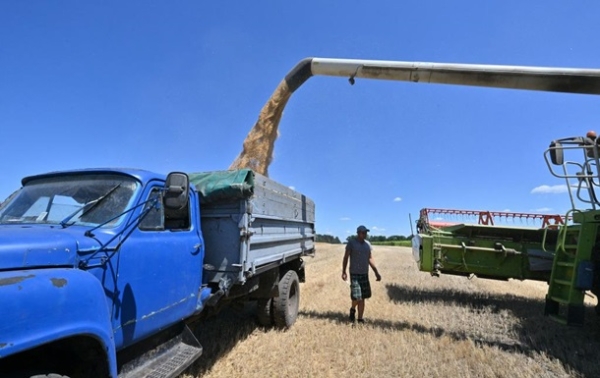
x=140, y=174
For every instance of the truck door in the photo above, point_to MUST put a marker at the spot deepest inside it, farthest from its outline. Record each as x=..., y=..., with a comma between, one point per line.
x=159, y=271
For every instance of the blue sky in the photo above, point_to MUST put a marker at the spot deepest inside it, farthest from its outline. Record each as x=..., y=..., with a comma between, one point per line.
x=177, y=86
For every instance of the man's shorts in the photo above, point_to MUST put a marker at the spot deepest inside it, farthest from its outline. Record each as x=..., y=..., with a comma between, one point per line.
x=360, y=288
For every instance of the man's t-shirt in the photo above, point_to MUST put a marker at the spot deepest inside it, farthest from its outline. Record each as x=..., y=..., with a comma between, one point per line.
x=360, y=253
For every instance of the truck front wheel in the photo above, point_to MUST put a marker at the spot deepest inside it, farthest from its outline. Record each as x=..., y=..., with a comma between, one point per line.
x=285, y=306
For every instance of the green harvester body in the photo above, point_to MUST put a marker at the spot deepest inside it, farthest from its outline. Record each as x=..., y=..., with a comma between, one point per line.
x=566, y=255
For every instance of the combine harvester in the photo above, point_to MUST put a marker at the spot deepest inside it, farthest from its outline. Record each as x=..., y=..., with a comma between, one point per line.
x=562, y=255
x=564, y=251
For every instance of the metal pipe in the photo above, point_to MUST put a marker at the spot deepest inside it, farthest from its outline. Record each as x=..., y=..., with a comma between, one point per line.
x=504, y=250
x=550, y=79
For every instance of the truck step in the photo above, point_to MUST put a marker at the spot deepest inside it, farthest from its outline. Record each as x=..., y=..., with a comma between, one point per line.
x=167, y=360
x=563, y=282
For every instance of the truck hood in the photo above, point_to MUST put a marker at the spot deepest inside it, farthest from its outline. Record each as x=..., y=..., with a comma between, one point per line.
x=32, y=246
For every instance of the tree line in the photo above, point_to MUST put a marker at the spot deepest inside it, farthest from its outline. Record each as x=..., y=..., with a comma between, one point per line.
x=328, y=239
x=324, y=238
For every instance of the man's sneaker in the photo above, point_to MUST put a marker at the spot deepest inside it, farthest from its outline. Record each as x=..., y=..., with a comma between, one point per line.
x=352, y=315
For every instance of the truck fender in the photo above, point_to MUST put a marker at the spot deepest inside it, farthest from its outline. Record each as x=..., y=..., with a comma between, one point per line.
x=41, y=306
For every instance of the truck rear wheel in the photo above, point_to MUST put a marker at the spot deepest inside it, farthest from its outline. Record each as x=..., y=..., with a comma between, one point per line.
x=264, y=311
x=285, y=306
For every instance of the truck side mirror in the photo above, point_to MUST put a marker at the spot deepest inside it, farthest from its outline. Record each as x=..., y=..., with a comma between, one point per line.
x=556, y=153
x=176, y=191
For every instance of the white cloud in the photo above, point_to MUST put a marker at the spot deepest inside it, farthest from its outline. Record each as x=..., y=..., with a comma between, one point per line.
x=543, y=209
x=506, y=211
x=438, y=218
x=550, y=189
x=292, y=187
x=397, y=199
x=344, y=219
x=375, y=228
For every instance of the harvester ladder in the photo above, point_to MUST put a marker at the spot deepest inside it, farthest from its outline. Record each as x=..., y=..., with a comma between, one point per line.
x=571, y=273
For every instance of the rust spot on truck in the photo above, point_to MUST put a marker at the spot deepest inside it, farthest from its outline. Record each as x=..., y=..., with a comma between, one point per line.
x=58, y=282
x=14, y=280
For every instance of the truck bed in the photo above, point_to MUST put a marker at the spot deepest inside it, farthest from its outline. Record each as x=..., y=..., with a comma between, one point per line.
x=250, y=223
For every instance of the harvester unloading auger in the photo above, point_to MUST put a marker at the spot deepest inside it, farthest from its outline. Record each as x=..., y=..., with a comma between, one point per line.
x=259, y=145
x=566, y=256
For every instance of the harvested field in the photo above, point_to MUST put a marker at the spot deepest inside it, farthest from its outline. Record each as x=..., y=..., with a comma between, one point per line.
x=417, y=325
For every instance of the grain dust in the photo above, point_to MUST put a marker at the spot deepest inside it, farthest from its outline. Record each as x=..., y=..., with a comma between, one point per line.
x=258, y=147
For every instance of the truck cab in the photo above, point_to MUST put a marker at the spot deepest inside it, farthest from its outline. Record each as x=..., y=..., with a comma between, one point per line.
x=90, y=234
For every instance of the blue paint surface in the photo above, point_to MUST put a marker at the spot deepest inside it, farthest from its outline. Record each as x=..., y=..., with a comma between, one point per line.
x=119, y=283
x=50, y=304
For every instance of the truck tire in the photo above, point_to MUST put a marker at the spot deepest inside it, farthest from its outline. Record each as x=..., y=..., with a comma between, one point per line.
x=285, y=306
x=264, y=312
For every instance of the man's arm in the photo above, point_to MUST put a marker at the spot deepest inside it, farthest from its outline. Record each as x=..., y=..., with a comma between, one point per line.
x=345, y=263
x=372, y=263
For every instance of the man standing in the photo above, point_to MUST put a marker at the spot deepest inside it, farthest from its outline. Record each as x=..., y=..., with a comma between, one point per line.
x=359, y=251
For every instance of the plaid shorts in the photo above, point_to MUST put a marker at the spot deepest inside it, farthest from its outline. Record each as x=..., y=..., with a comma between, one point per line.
x=360, y=288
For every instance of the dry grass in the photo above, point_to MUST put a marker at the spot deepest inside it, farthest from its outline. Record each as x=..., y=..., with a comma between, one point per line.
x=417, y=325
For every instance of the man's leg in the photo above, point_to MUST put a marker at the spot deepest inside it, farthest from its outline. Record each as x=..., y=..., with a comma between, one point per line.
x=365, y=290
x=361, y=308
x=352, y=315
x=355, y=294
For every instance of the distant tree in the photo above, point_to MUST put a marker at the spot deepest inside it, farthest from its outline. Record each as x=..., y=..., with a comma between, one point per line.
x=381, y=238
x=328, y=239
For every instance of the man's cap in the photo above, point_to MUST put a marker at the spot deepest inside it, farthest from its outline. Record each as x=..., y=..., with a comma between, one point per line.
x=361, y=229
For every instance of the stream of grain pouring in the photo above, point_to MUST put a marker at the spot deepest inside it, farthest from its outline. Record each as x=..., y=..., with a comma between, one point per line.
x=257, y=152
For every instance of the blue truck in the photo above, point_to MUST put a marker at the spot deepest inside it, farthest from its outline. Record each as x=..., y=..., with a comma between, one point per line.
x=104, y=272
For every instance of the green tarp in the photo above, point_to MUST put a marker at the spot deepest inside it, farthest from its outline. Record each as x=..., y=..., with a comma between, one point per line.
x=219, y=186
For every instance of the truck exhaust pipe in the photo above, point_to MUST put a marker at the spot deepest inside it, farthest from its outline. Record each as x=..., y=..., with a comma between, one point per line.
x=258, y=146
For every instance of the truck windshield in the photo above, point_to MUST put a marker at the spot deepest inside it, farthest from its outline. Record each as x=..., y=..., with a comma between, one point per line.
x=54, y=199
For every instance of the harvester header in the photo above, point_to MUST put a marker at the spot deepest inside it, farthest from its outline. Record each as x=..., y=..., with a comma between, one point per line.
x=486, y=217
